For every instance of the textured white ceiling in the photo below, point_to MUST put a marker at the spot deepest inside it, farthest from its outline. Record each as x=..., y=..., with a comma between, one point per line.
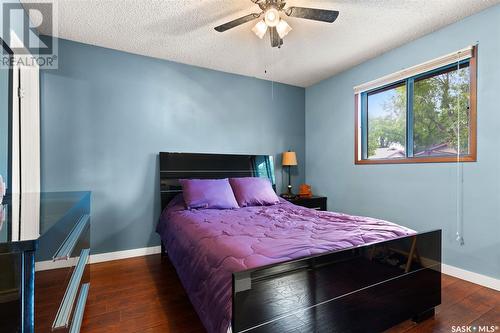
x=182, y=31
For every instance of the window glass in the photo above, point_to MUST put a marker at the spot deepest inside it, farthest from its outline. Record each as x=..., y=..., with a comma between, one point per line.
x=429, y=117
x=441, y=113
x=386, y=128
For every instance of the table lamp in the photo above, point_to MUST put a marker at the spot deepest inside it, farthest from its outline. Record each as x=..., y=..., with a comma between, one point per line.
x=289, y=160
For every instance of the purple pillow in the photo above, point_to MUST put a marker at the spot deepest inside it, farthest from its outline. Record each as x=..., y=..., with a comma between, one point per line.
x=253, y=191
x=208, y=193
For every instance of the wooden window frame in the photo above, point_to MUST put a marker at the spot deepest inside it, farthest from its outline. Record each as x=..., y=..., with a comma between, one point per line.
x=471, y=157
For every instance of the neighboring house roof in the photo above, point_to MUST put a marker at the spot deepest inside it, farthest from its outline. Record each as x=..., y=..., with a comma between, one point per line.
x=388, y=153
x=442, y=149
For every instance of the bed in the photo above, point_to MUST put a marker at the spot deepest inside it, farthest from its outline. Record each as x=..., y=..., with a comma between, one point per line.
x=285, y=268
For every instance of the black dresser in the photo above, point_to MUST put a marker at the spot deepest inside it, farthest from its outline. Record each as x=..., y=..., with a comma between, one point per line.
x=44, y=254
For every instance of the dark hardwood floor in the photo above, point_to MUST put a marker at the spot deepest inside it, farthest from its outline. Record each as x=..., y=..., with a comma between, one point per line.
x=144, y=295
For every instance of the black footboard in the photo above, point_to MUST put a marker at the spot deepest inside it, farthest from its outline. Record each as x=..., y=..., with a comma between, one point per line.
x=360, y=289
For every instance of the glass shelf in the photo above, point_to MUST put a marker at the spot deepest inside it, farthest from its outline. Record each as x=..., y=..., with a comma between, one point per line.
x=29, y=216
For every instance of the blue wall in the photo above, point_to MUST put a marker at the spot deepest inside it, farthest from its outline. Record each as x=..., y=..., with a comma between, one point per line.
x=421, y=196
x=106, y=114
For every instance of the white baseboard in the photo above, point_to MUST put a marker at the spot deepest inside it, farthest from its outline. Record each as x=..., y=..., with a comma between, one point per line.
x=476, y=278
x=483, y=280
x=99, y=257
x=145, y=251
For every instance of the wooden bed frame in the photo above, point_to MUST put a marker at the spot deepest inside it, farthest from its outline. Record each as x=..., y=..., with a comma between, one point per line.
x=359, y=289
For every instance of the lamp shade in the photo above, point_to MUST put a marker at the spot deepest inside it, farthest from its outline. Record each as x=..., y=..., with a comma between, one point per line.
x=289, y=158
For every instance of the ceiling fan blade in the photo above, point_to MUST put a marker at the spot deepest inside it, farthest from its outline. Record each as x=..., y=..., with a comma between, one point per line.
x=276, y=41
x=237, y=22
x=323, y=15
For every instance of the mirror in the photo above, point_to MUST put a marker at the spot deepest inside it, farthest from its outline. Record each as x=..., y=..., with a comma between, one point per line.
x=5, y=118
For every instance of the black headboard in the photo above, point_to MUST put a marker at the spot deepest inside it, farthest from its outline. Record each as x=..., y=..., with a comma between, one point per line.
x=175, y=166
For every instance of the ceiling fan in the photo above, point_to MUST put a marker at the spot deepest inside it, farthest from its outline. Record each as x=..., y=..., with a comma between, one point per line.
x=273, y=10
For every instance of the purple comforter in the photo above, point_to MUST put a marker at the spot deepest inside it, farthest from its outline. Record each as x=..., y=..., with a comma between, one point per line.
x=206, y=246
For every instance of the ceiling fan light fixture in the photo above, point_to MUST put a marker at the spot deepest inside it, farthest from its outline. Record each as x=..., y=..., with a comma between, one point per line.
x=260, y=29
x=283, y=28
x=272, y=17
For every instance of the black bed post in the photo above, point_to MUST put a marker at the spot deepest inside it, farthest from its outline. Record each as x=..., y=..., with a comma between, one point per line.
x=423, y=316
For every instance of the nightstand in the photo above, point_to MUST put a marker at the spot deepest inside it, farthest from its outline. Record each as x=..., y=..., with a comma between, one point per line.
x=318, y=203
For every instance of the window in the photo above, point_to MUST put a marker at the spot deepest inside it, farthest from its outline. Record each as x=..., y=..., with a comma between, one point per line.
x=427, y=117
x=386, y=127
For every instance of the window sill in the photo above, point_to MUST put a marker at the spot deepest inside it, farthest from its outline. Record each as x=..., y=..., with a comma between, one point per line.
x=444, y=159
